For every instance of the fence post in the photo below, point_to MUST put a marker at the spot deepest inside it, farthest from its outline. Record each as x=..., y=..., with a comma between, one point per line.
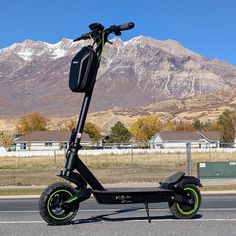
x=189, y=158
x=210, y=151
x=132, y=159
x=55, y=158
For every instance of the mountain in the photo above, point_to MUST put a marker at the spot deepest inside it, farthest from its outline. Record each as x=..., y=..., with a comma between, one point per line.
x=206, y=107
x=133, y=74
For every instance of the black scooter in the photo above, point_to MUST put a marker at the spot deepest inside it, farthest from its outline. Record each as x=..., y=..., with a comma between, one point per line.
x=59, y=202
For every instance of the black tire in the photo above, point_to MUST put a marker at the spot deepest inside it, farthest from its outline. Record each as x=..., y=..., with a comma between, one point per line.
x=50, y=204
x=182, y=211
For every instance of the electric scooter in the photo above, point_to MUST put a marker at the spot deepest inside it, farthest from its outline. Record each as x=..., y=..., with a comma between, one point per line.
x=60, y=201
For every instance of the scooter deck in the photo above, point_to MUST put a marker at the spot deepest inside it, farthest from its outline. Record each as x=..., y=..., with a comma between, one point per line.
x=133, y=195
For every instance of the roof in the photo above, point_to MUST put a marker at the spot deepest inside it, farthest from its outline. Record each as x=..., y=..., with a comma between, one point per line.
x=211, y=135
x=179, y=136
x=168, y=136
x=50, y=136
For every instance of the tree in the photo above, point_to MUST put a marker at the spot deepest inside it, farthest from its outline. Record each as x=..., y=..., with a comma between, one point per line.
x=119, y=134
x=6, y=140
x=184, y=126
x=169, y=125
x=226, y=122
x=197, y=125
x=145, y=127
x=212, y=127
x=31, y=122
x=68, y=125
x=93, y=131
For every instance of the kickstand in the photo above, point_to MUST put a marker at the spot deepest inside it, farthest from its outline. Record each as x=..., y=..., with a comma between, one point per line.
x=147, y=210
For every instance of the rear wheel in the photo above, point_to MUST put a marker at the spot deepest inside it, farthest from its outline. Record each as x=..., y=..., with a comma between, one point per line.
x=184, y=211
x=50, y=204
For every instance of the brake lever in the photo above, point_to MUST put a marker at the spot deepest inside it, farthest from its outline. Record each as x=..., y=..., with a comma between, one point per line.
x=109, y=42
x=117, y=33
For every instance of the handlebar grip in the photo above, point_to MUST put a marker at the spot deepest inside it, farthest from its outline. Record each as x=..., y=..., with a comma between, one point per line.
x=126, y=26
x=84, y=37
x=77, y=39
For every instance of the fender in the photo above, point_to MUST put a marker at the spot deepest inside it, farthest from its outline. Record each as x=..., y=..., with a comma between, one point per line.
x=189, y=180
x=74, y=177
x=179, y=179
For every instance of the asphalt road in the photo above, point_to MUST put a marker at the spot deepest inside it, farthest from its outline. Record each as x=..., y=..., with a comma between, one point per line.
x=217, y=216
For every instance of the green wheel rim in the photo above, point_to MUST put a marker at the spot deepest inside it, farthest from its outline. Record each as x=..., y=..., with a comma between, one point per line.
x=49, y=205
x=196, y=204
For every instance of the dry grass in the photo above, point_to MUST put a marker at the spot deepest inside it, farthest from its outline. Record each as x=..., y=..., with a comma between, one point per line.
x=107, y=168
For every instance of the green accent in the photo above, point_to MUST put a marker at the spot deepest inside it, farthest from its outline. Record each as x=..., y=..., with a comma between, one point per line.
x=48, y=204
x=103, y=44
x=195, y=205
x=217, y=170
x=72, y=199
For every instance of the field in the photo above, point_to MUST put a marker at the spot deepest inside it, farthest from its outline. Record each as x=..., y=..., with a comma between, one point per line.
x=35, y=171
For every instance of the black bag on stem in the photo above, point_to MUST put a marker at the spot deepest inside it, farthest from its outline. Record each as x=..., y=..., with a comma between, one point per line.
x=83, y=70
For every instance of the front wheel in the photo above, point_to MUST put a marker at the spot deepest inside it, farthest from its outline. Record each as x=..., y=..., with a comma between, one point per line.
x=50, y=204
x=184, y=211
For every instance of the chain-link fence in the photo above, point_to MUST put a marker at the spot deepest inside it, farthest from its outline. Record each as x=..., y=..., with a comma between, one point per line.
x=117, y=163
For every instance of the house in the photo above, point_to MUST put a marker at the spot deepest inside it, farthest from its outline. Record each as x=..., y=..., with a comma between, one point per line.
x=179, y=139
x=48, y=140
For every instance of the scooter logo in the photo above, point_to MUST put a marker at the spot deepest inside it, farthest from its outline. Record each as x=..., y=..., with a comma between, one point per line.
x=124, y=199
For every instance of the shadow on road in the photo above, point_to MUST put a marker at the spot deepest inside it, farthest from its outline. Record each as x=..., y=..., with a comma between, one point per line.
x=107, y=217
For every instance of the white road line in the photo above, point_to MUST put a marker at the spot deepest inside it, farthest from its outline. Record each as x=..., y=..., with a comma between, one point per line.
x=217, y=209
x=187, y=220
x=141, y=220
x=22, y=222
x=19, y=211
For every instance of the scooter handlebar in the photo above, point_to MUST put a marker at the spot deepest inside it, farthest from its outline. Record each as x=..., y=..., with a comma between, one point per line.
x=84, y=36
x=112, y=29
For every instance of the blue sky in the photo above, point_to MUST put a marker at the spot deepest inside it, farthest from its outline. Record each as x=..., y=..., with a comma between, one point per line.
x=207, y=27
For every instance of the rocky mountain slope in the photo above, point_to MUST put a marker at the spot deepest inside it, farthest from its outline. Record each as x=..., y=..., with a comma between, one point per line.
x=206, y=107
x=139, y=72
